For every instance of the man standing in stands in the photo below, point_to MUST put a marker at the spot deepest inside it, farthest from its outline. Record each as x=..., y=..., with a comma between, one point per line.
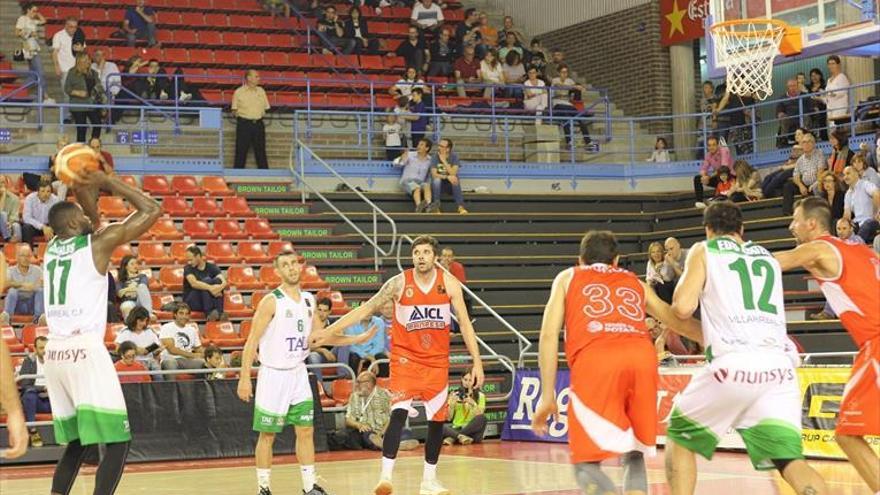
x=425, y=297
x=849, y=275
x=249, y=104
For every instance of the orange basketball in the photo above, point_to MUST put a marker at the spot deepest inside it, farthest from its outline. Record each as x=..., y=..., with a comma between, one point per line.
x=74, y=158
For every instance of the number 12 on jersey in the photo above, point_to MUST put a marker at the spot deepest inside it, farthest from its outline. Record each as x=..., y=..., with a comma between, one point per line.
x=759, y=268
x=58, y=290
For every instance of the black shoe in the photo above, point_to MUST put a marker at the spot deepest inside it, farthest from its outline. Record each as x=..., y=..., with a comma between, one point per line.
x=265, y=491
x=316, y=490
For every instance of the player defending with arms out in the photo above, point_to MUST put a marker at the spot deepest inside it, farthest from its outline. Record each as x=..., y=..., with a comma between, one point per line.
x=750, y=382
x=849, y=275
x=285, y=325
x=87, y=402
x=9, y=400
x=424, y=298
x=613, y=364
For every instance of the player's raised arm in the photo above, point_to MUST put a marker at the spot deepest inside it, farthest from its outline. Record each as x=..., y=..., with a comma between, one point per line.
x=687, y=292
x=389, y=291
x=453, y=289
x=656, y=307
x=817, y=257
x=322, y=336
x=264, y=314
x=548, y=350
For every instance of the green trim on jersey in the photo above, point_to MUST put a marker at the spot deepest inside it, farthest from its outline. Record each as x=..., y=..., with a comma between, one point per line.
x=91, y=425
x=278, y=293
x=729, y=245
x=708, y=353
x=302, y=414
x=56, y=245
x=772, y=439
x=692, y=435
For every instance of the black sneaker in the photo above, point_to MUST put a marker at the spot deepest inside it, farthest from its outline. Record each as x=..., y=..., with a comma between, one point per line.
x=265, y=491
x=316, y=490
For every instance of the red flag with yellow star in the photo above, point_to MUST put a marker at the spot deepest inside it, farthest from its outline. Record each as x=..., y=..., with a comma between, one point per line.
x=682, y=20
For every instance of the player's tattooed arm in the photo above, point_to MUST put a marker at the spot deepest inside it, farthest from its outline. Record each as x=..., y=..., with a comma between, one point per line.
x=390, y=291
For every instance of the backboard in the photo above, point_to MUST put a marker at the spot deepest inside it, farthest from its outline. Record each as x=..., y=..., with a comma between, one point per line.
x=842, y=27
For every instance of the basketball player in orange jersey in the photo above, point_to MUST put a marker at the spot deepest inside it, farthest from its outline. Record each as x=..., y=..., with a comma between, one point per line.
x=425, y=297
x=613, y=400
x=849, y=275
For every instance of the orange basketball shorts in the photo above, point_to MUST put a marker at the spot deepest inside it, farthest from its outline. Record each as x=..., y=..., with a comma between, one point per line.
x=613, y=402
x=860, y=409
x=414, y=381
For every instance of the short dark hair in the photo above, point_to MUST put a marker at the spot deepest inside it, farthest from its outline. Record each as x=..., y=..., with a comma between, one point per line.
x=45, y=181
x=561, y=66
x=709, y=83
x=125, y=347
x=598, y=246
x=26, y=6
x=833, y=58
x=59, y=215
x=137, y=313
x=283, y=253
x=468, y=12
x=211, y=350
x=535, y=40
x=817, y=209
x=41, y=338
x=427, y=142
x=723, y=217
x=711, y=137
x=195, y=250
x=512, y=55
x=724, y=169
x=426, y=239
x=449, y=143
x=181, y=305
x=154, y=60
x=324, y=301
x=840, y=135
x=418, y=90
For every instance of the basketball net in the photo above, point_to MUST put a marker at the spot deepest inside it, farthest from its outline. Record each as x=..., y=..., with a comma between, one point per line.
x=746, y=48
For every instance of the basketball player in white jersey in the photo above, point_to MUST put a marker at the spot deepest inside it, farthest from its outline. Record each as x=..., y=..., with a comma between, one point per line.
x=285, y=326
x=87, y=403
x=750, y=382
x=9, y=400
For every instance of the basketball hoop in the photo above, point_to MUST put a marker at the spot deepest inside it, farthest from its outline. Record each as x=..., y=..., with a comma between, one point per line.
x=746, y=48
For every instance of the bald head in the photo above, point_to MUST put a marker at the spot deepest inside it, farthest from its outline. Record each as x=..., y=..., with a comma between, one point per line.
x=23, y=255
x=673, y=247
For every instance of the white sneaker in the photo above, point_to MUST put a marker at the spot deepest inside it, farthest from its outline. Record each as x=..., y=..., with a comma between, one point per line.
x=700, y=205
x=384, y=487
x=432, y=487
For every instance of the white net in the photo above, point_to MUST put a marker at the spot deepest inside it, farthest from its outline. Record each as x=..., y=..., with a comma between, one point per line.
x=747, y=50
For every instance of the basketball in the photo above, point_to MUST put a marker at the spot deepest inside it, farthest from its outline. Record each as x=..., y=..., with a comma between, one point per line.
x=73, y=159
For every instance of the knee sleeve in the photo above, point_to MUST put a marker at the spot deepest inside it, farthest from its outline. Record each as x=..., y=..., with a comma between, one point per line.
x=68, y=467
x=110, y=469
x=434, y=442
x=635, y=475
x=391, y=443
x=591, y=479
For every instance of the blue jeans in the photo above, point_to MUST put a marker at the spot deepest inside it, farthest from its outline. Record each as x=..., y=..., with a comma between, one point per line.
x=437, y=188
x=33, y=404
x=7, y=231
x=35, y=65
x=24, y=303
x=148, y=33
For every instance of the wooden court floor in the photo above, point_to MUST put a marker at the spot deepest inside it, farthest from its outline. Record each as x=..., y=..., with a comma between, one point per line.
x=493, y=468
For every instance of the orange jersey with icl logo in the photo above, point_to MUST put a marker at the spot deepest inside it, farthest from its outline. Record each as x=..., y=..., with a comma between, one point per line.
x=603, y=303
x=854, y=295
x=422, y=320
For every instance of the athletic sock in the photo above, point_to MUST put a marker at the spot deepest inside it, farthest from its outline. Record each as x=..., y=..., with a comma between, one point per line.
x=387, y=468
x=308, y=476
x=430, y=472
x=263, y=477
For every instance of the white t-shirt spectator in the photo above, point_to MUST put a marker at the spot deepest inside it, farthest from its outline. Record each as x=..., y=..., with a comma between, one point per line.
x=405, y=86
x=185, y=339
x=494, y=75
x=427, y=17
x=28, y=29
x=392, y=134
x=144, y=339
x=110, y=77
x=62, y=44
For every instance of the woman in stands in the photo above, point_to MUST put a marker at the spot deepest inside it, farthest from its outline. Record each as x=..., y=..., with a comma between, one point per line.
x=817, y=117
x=410, y=80
x=491, y=72
x=833, y=190
x=147, y=346
x=133, y=286
x=535, y=96
x=356, y=28
x=83, y=86
x=659, y=274
x=467, y=406
x=660, y=153
x=514, y=73
x=840, y=153
x=836, y=95
x=747, y=184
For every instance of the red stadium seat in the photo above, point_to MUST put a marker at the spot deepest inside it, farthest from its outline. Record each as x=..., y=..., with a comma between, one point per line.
x=234, y=39
x=276, y=59
x=12, y=342
x=245, y=329
x=253, y=252
x=30, y=332
x=207, y=208
x=236, y=206
x=165, y=230
x=191, y=18
x=158, y=302
x=256, y=297
x=222, y=334
x=178, y=250
x=201, y=57
x=372, y=62
x=276, y=247
x=120, y=252
x=210, y=38
x=241, y=21
x=218, y=21
x=95, y=15
x=186, y=185
x=110, y=332
x=310, y=279
x=216, y=186
x=242, y=277
x=259, y=228
x=177, y=207
x=198, y=228
x=338, y=304
x=226, y=57
x=184, y=37
x=268, y=276
x=221, y=252
x=229, y=228
x=342, y=388
x=233, y=305
x=258, y=39
x=171, y=278
x=281, y=41
x=130, y=180
x=153, y=253
x=157, y=185
x=113, y=207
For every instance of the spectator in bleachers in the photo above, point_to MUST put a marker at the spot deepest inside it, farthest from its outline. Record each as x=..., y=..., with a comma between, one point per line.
x=156, y=86
x=467, y=407
x=860, y=163
x=488, y=33
x=466, y=70
x=468, y=33
x=788, y=112
x=249, y=104
x=83, y=87
x=133, y=287
x=362, y=356
x=447, y=259
x=34, y=396
x=414, y=179
x=510, y=45
x=564, y=89
x=392, y=131
x=334, y=31
x=140, y=24
x=659, y=274
x=27, y=29
x=357, y=29
x=818, y=119
x=724, y=184
x=708, y=103
x=871, y=152
x=35, y=216
x=404, y=118
x=746, y=184
x=534, y=95
x=514, y=73
x=183, y=90
x=386, y=312
x=407, y=83
x=183, y=347
x=660, y=153
x=832, y=189
x=104, y=156
x=804, y=178
x=66, y=44
x=557, y=60
x=418, y=109
x=536, y=57
x=414, y=51
x=427, y=16
x=108, y=74
x=774, y=181
x=841, y=155
x=323, y=354
x=444, y=174
x=442, y=55
x=492, y=74
x=520, y=40
x=861, y=204
x=675, y=256
x=367, y=415
x=836, y=97
x=735, y=120
x=147, y=348
x=128, y=362
x=203, y=285
x=214, y=360
x=846, y=231
x=10, y=228
x=716, y=156
x=276, y=7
